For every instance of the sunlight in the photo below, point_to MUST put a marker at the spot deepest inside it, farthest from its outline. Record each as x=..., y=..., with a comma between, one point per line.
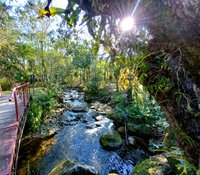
x=127, y=23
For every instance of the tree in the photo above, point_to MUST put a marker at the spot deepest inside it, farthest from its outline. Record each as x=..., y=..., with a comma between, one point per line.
x=170, y=70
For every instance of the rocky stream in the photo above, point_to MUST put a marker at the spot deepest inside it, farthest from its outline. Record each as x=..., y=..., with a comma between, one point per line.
x=83, y=140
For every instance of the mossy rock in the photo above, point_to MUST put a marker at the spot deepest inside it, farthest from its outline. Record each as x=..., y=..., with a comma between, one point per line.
x=156, y=165
x=117, y=119
x=111, y=140
x=73, y=168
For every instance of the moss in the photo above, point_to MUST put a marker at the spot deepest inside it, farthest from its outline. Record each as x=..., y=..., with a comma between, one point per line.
x=156, y=165
x=111, y=140
x=144, y=167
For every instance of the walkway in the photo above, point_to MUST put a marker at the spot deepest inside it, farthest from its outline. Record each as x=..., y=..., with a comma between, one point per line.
x=10, y=129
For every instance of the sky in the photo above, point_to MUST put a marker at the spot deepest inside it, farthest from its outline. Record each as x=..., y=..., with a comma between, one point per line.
x=55, y=3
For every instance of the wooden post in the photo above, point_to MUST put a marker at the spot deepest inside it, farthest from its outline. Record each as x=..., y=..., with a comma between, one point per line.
x=24, y=99
x=16, y=106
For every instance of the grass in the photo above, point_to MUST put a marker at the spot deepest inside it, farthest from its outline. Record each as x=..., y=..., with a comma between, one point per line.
x=37, y=92
x=7, y=92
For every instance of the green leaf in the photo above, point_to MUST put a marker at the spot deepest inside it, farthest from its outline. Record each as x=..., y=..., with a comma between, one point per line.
x=107, y=49
x=95, y=48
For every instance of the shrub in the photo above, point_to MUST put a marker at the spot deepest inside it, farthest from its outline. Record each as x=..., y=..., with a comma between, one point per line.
x=143, y=110
x=93, y=85
x=34, y=116
x=5, y=84
x=38, y=109
x=46, y=102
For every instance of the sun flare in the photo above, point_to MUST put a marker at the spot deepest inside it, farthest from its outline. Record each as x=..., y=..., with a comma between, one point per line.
x=127, y=24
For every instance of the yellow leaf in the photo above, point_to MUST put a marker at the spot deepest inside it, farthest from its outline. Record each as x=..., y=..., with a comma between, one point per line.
x=51, y=12
x=42, y=13
x=107, y=49
x=126, y=84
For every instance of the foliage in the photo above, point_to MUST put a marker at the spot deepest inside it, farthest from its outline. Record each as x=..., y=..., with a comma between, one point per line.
x=5, y=84
x=172, y=161
x=46, y=102
x=142, y=110
x=93, y=86
x=143, y=167
x=38, y=109
x=34, y=116
x=177, y=160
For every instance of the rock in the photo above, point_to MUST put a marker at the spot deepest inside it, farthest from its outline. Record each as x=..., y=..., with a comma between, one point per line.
x=52, y=132
x=67, y=97
x=85, y=121
x=59, y=105
x=74, y=95
x=117, y=119
x=99, y=117
x=78, y=115
x=102, y=113
x=90, y=126
x=81, y=98
x=155, y=165
x=99, y=123
x=90, y=114
x=111, y=140
x=73, y=168
x=67, y=101
x=131, y=140
x=69, y=116
x=77, y=106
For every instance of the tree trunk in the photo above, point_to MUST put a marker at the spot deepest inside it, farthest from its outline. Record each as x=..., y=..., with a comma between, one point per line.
x=177, y=96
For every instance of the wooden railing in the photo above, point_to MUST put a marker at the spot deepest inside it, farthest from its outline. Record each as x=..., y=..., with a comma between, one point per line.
x=22, y=92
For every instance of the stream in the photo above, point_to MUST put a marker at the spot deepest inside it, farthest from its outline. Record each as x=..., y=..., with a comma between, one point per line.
x=78, y=140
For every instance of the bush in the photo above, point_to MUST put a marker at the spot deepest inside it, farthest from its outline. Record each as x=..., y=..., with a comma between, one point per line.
x=5, y=84
x=46, y=102
x=34, y=116
x=38, y=109
x=142, y=110
x=178, y=162
x=93, y=86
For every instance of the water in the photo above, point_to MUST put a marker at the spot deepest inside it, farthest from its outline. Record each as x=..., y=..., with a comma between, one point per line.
x=79, y=140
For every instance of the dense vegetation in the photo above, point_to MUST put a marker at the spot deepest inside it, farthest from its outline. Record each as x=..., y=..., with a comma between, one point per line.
x=153, y=69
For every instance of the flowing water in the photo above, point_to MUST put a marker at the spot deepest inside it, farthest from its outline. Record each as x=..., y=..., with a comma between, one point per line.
x=79, y=140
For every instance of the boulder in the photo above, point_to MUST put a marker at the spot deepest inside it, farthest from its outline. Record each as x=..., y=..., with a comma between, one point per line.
x=156, y=165
x=69, y=116
x=73, y=168
x=78, y=106
x=131, y=140
x=99, y=117
x=111, y=140
x=91, y=114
